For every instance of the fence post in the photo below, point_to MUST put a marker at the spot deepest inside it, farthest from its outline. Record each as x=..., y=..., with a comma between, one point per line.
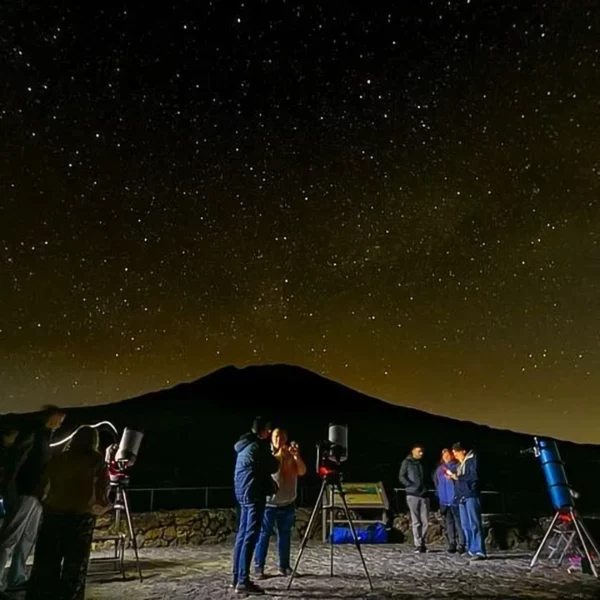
x=152, y=500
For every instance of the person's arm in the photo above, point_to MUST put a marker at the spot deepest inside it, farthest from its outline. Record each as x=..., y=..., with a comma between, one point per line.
x=436, y=478
x=19, y=453
x=404, y=479
x=298, y=462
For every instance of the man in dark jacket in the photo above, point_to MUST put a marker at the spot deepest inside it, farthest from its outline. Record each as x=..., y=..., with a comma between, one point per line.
x=22, y=478
x=467, y=493
x=253, y=482
x=413, y=478
x=446, y=493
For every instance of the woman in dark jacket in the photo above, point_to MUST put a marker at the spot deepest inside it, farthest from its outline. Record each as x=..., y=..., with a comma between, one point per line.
x=75, y=492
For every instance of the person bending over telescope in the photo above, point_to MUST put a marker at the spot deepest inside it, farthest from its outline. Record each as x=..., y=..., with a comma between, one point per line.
x=280, y=508
x=253, y=483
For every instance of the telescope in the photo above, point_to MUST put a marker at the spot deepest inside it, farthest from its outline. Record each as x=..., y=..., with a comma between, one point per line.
x=562, y=495
x=333, y=451
x=566, y=528
x=121, y=457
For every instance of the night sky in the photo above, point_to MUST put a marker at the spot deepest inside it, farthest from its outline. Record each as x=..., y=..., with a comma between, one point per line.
x=401, y=196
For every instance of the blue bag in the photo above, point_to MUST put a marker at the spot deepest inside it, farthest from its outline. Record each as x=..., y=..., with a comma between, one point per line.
x=372, y=534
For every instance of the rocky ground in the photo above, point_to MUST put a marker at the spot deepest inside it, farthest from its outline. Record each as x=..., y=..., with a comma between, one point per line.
x=204, y=572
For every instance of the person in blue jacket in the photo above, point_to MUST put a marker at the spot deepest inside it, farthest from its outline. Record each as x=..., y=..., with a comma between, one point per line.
x=467, y=493
x=253, y=482
x=446, y=493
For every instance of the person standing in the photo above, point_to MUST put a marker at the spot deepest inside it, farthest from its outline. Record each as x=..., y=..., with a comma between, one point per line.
x=7, y=451
x=255, y=464
x=280, y=510
x=413, y=478
x=24, y=510
x=467, y=492
x=75, y=491
x=446, y=493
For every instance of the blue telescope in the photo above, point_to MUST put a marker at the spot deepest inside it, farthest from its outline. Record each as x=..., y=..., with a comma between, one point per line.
x=566, y=528
x=562, y=495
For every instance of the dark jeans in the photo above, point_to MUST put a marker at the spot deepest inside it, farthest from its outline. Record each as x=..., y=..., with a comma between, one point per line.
x=452, y=528
x=61, y=557
x=283, y=517
x=470, y=519
x=251, y=516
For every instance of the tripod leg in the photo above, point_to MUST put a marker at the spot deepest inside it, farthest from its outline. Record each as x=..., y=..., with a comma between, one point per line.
x=353, y=530
x=331, y=525
x=590, y=538
x=550, y=529
x=132, y=534
x=307, y=533
x=584, y=543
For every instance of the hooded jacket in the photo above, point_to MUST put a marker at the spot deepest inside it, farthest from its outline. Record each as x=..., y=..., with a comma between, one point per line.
x=467, y=484
x=445, y=487
x=412, y=477
x=254, y=467
x=76, y=483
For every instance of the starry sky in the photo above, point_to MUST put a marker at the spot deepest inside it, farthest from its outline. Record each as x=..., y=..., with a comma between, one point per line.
x=401, y=196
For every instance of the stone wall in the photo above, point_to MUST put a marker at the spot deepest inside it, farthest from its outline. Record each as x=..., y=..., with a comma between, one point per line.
x=196, y=527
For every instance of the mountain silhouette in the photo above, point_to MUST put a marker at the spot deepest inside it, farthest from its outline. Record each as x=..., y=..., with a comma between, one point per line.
x=190, y=430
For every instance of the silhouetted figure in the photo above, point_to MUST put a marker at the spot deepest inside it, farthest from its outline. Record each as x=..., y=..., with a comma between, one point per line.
x=7, y=458
x=24, y=510
x=76, y=488
x=412, y=477
x=446, y=493
x=254, y=466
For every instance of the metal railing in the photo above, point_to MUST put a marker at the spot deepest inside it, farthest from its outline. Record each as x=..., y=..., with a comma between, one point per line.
x=194, y=497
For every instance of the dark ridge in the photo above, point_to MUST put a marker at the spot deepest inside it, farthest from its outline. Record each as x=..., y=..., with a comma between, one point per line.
x=190, y=430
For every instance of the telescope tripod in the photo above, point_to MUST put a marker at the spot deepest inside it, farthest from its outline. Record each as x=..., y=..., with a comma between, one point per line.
x=121, y=505
x=565, y=530
x=331, y=483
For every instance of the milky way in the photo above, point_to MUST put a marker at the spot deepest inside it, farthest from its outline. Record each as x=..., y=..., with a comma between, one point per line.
x=402, y=198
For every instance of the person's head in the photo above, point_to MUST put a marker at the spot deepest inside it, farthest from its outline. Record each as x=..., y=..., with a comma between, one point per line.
x=261, y=427
x=417, y=451
x=459, y=451
x=9, y=436
x=85, y=441
x=53, y=417
x=447, y=456
x=279, y=438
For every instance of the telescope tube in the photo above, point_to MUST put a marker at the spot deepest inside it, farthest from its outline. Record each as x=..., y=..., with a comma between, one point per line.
x=554, y=471
x=338, y=435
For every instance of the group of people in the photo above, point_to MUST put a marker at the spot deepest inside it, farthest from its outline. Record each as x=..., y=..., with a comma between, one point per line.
x=51, y=497
x=265, y=481
x=456, y=486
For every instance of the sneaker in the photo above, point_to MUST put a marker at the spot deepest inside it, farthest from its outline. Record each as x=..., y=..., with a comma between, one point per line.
x=477, y=557
x=461, y=550
x=286, y=572
x=249, y=588
x=260, y=575
x=420, y=550
x=451, y=550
